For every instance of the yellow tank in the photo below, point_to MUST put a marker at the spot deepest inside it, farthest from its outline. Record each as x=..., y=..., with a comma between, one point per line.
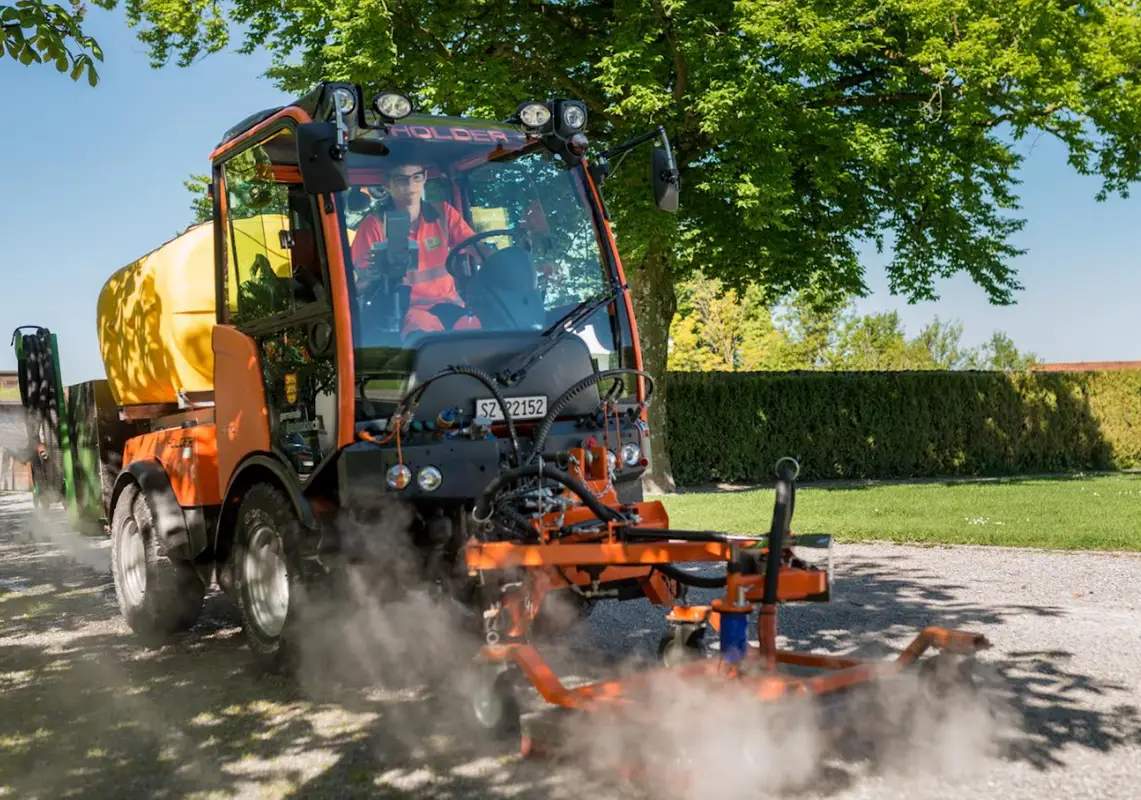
x=155, y=315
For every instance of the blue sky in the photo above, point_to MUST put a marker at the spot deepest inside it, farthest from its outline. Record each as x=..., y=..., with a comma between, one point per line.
x=93, y=180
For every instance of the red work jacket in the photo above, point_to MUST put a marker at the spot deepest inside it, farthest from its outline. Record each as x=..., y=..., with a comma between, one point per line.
x=436, y=231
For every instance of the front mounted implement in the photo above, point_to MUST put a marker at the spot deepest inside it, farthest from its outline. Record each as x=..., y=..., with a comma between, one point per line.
x=576, y=524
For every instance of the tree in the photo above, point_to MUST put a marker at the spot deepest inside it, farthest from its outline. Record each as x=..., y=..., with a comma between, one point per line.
x=943, y=342
x=716, y=330
x=800, y=126
x=1000, y=353
x=33, y=32
x=811, y=318
x=201, y=207
x=876, y=342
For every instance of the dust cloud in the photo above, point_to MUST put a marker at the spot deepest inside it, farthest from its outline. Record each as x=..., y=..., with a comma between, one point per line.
x=689, y=739
x=52, y=527
x=375, y=630
x=678, y=740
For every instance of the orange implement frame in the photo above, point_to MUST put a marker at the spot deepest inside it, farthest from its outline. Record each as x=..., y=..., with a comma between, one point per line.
x=760, y=574
x=752, y=673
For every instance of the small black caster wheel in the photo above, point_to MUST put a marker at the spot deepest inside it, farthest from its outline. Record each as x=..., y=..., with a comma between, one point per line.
x=493, y=704
x=681, y=644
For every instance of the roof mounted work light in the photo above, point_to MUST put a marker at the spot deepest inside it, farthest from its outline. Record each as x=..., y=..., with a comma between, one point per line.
x=345, y=100
x=392, y=106
x=561, y=125
x=534, y=116
x=572, y=115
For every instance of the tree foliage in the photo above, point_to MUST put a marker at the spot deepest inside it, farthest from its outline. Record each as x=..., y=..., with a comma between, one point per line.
x=34, y=32
x=201, y=207
x=715, y=330
x=800, y=126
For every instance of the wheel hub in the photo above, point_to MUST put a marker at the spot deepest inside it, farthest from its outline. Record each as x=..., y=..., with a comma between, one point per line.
x=267, y=581
x=133, y=557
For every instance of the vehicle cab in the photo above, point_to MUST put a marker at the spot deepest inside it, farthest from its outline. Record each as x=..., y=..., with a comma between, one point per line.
x=365, y=251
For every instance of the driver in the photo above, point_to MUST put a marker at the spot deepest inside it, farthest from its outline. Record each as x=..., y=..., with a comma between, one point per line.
x=435, y=305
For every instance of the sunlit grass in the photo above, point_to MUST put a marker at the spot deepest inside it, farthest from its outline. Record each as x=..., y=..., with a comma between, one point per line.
x=1078, y=513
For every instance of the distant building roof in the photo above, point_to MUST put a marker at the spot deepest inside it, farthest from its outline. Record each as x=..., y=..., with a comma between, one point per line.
x=1085, y=366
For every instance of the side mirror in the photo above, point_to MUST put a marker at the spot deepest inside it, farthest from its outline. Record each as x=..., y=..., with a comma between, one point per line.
x=665, y=180
x=321, y=158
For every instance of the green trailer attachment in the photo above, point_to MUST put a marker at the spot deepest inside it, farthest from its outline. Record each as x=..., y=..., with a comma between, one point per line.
x=75, y=435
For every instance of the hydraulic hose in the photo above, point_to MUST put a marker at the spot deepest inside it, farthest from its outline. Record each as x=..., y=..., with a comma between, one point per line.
x=39, y=396
x=696, y=581
x=413, y=397
x=564, y=399
x=483, y=502
x=782, y=515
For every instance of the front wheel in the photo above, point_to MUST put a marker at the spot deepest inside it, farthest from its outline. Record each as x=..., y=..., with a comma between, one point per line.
x=267, y=575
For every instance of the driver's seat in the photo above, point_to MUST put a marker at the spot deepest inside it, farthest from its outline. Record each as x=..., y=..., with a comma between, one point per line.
x=503, y=293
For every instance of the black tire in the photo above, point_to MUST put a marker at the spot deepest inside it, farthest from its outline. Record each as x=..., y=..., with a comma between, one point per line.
x=266, y=518
x=493, y=703
x=681, y=644
x=158, y=596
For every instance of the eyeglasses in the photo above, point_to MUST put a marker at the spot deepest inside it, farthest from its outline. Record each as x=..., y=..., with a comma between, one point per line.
x=405, y=180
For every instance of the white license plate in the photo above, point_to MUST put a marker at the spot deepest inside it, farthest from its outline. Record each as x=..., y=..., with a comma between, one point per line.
x=519, y=407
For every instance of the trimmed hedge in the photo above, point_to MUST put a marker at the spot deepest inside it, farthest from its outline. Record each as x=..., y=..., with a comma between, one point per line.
x=733, y=427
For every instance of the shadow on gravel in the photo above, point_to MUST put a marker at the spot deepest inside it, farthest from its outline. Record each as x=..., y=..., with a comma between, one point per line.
x=85, y=712
x=882, y=605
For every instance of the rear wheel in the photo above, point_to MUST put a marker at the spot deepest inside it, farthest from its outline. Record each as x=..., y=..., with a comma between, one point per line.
x=158, y=596
x=267, y=575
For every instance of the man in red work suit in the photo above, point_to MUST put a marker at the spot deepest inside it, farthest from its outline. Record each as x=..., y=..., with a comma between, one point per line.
x=436, y=231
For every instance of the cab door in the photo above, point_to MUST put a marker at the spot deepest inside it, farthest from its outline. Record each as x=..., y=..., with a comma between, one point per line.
x=276, y=367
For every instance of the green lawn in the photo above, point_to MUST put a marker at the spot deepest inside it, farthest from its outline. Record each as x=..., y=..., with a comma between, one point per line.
x=1080, y=513
x=9, y=392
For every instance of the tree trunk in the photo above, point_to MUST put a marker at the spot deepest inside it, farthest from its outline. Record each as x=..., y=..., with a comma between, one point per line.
x=652, y=292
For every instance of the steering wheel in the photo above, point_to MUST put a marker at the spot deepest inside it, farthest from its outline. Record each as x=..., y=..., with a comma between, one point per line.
x=522, y=235
x=306, y=280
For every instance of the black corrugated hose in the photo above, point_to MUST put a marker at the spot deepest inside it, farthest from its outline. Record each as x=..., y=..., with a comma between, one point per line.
x=41, y=404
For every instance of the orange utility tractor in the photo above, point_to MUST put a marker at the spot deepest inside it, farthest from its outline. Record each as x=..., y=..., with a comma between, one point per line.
x=387, y=307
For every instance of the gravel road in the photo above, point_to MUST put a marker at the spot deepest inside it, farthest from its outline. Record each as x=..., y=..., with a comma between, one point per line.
x=87, y=712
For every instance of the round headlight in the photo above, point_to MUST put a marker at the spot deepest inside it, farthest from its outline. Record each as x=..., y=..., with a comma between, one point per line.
x=574, y=117
x=346, y=100
x=429, y=479
x=534, y=115
x=399, y=476
x=631, y=454
x=611, y=460
x=392, y=105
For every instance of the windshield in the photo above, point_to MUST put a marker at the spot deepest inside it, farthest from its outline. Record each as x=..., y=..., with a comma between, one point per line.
x=500, y=238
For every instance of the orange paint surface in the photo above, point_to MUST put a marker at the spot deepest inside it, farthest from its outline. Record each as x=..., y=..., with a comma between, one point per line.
x=190, y=458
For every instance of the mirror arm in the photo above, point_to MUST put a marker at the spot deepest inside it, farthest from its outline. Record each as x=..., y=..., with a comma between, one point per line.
x=637, y=140
x=342, y=146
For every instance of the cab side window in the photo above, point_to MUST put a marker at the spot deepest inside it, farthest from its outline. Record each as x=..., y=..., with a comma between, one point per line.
x=273, y=256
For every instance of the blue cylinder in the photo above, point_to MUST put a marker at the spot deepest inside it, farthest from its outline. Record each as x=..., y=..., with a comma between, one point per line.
x=734, y=636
